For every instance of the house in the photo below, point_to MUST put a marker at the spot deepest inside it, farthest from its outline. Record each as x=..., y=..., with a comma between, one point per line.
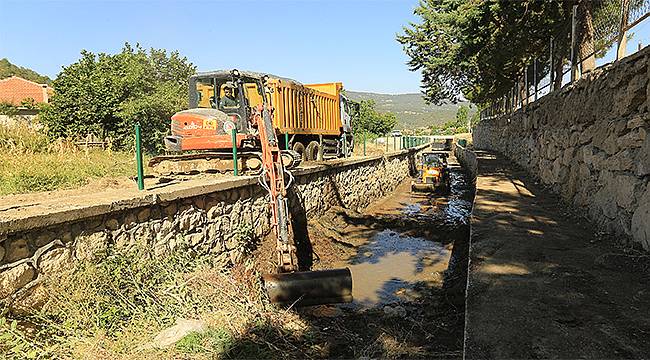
x=15, y=89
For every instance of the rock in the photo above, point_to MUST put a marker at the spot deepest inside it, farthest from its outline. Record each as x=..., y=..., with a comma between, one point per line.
x=55, y=261
x=621, y=161
x=44, y=238
x=633, y=139
x=641, y=221
x=112, y=224
x=643, y=159
x=143, y=215
x=170, y=210
x=15, y=278
x=2, y=252
x=29, y=302
x=16, y=249
x=173, y=334
x=625, y=188
x=636, y=122
x=90, y=247
x=194, y=239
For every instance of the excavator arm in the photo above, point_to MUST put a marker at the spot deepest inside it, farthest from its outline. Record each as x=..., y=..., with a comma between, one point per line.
x=289, y=286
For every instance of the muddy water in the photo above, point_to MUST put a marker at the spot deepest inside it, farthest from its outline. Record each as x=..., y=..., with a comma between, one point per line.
x=415, y=246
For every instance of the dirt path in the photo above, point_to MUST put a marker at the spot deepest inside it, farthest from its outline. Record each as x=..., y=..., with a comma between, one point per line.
x=408, y=298
x=542, y=284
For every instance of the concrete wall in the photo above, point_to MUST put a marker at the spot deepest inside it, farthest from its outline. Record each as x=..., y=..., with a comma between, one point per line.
x=225, y=220
x=590, y=143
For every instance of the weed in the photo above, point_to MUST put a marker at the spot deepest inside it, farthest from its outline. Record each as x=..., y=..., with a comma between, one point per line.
x=215, y=341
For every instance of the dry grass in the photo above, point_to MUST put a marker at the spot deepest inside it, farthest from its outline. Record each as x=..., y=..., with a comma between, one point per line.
x=29, y=162
x=113, y=309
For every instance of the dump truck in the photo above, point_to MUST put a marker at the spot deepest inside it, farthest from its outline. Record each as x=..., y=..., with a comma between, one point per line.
x=311, y=122
x=433, y=174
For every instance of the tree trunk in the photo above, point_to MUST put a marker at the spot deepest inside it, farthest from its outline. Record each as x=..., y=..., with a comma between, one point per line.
x=586, y=36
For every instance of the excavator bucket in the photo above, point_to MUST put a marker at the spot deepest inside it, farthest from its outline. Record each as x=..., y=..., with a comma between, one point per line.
x=309, y=287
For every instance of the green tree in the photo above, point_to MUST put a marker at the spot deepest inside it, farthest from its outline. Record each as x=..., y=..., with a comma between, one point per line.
x=374, y=122
x=107, y=94
x=478, y=49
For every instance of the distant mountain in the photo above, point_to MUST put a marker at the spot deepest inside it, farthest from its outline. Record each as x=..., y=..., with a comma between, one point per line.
x=411, y=110
x=8, y=69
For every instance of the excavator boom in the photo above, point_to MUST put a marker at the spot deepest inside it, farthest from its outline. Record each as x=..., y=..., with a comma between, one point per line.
x=288, y=286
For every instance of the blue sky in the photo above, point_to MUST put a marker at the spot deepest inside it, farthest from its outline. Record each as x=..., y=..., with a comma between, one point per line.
x=312, y=41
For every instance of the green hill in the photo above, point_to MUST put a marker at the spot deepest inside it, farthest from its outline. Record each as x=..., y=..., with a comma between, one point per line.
x=8, y=69
x=411, y=110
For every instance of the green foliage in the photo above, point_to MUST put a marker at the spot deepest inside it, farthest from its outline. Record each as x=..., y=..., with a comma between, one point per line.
x=372, y=121
x=477, y=48
x=8, y=69
x=215, y=341
x=107, y=94
x=7, y=108
x=457, y=126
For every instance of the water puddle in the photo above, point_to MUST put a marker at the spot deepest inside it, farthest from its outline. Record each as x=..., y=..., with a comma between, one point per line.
x=391, y=264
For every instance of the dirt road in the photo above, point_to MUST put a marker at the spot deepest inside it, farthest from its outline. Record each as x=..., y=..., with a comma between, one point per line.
x=542, y=284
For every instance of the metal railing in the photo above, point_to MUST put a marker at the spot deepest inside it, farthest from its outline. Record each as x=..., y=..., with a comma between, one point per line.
x=611, y=23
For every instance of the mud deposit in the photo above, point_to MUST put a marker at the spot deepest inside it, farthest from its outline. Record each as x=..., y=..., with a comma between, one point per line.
x=408, y=256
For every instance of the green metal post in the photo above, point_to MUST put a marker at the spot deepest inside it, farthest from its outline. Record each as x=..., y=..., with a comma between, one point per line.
x=138, y=157
x=286, y=140
x=234, y=151
x=386, y=138
x=364, y=143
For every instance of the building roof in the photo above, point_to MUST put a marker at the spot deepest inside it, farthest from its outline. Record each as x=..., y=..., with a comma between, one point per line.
x=15, y=89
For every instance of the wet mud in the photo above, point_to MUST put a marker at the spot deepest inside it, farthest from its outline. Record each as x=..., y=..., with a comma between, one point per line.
x=408, y=257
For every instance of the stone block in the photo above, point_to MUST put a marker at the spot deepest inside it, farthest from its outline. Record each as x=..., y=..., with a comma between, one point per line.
x=16, y=249
x=55, y=261
x=91, y=246
x=112, y=224
x=144, y=215
x=30, y=301
x=13, y=279
x=643, y=159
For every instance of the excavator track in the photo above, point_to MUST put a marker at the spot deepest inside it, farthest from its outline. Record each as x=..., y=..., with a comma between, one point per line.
x=248, y=163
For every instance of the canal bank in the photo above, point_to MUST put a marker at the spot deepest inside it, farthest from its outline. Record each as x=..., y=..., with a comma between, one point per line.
x=542, y=283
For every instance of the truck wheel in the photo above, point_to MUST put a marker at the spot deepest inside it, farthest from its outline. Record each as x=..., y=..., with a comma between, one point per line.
x=313, y=151
x=300, y=149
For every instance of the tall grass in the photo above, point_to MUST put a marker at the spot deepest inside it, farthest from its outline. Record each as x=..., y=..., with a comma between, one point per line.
x=113, y=310
x=30, y=162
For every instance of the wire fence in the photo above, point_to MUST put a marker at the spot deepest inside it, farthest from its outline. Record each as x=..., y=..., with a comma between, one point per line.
x=569, y=59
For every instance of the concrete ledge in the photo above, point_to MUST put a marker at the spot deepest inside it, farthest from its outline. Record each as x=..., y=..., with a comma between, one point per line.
x=50, y=212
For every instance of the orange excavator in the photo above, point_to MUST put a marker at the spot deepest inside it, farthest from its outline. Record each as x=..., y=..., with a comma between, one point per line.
x=289, y=286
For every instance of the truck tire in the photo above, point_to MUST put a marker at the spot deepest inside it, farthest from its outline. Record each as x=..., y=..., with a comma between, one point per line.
x=300, y=149
x=313, y=151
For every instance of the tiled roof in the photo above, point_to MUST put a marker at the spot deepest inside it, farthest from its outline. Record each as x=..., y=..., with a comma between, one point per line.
x=15, y=89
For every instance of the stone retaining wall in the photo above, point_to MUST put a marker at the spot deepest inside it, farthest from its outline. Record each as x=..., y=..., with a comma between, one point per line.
x=467, y=159
x=590, y=143
x=224, y=222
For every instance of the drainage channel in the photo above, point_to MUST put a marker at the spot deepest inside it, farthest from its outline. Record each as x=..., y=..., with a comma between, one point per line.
x=408, y=256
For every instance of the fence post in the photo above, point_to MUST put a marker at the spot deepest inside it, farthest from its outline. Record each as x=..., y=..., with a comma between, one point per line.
x=574, y=62
x=526, y=84
x=535, y=77
x=138, y=157
x=622, y=30
x=364, y=143
x=552, y=71
x=386, y=138
x=234, y=151
x=286, y=140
